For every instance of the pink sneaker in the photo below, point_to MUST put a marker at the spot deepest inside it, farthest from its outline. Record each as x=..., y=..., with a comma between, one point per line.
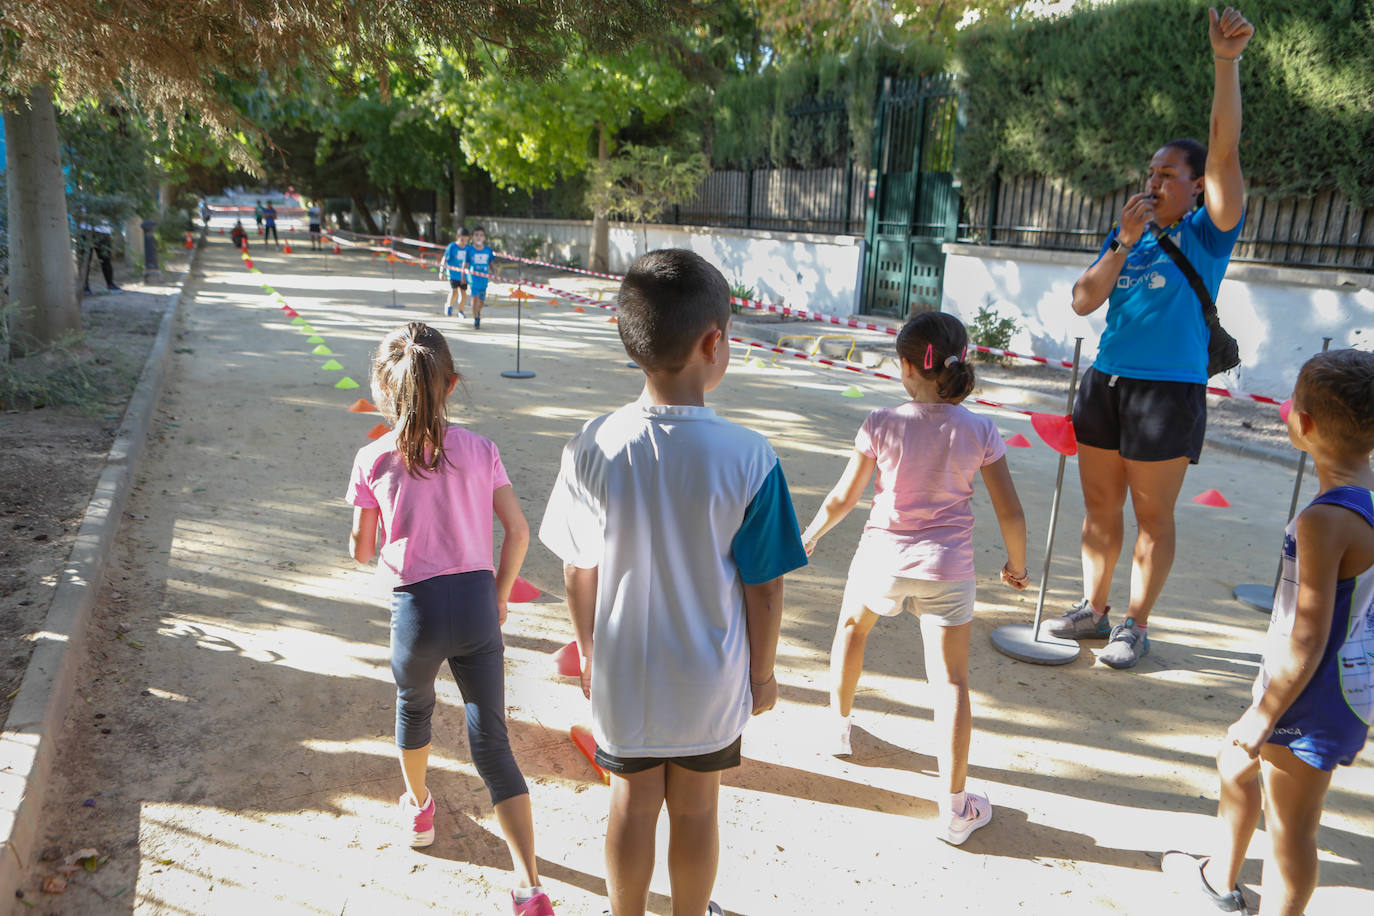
x=977, y=813
x=538, y=905
x=419, y=821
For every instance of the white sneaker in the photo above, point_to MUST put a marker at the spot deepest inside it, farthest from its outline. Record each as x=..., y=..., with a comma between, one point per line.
x=959, y=827
x=842, y=747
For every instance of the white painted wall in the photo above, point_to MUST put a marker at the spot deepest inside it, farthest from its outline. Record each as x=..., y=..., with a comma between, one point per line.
x=819, y=273
x=1278, y=315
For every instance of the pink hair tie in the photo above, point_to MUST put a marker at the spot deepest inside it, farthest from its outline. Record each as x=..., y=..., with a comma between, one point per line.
x=930, y=357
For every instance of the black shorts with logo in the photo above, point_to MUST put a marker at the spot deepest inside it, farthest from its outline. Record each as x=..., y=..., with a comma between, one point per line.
x=1142, y=419
x=723, y=759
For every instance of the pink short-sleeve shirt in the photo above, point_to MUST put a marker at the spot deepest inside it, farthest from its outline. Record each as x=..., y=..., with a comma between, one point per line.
x=921, y=523
x=433, y=525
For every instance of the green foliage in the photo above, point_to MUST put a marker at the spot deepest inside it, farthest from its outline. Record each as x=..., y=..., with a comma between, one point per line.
x=1089, y=96
x=54, y=377
x=738, y=290
x=640, y=181
x=990, y=329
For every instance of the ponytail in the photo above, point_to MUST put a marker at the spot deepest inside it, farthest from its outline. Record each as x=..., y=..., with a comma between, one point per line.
x=411, y=373
x=936, y=345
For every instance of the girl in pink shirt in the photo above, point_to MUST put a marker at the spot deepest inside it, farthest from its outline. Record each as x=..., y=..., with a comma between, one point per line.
x=918, y=542
x=432, y=489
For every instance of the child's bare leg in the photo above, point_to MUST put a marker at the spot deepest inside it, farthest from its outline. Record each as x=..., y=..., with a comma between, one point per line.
x=847, y=657
x=477, y=303
x=1238, y=812
x=693, y=838
x=1294, y=794
x=452, y=295
x=517, y=826
x=636, y=799
x=414, y=764
x=946, y=652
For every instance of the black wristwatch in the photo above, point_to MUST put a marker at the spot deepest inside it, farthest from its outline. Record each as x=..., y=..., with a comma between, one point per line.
x=1115, y=245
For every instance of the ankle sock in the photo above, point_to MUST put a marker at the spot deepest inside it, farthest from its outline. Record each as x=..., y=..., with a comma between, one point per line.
x=522, y=894
x=958, y=804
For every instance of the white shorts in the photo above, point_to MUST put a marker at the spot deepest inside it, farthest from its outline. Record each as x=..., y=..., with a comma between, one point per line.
x=949, y=602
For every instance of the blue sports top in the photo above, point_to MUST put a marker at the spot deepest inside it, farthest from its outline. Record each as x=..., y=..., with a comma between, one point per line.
x=1155, y=328
x=1328, y=722
x=479, y=261
x=456, y=259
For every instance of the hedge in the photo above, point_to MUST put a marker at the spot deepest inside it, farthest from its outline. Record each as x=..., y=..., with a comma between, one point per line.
x=1088, y=96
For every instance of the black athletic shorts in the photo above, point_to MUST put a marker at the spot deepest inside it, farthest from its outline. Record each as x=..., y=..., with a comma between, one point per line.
x=723, y=759
x=1144, y=420
x=457, y=284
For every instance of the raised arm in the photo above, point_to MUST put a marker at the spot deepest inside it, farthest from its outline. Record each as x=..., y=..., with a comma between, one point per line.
x=843, y=497
x=1229, y=33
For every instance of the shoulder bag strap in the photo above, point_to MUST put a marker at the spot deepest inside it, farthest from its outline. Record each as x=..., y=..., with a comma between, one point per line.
x=1209, y=308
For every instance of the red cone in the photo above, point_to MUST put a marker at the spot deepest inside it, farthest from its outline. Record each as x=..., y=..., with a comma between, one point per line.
x=362, y=405
x=1211, y=498
x=1284, y=409
x=337, y=249
x=587, y=745
x=1018, y=441
x=523, y=591
x=378, y=431
x=248, y=262
x=1056, y=431
x=287, y=248
x=568, y=660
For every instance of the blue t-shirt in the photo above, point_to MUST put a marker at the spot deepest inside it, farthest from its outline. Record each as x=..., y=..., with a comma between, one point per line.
x=456, y=259
x=1155, y=328
x=479, y=261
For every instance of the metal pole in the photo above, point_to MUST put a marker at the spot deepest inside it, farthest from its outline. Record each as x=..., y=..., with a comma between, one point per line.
x=1261, y=597
x=517, y=372
x=1025, y=643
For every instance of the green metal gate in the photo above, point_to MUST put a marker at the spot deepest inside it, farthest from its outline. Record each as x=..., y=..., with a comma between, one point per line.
x=913, y=205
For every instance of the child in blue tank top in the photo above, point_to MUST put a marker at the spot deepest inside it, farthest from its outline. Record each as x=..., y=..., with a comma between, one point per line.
x=1314, y=696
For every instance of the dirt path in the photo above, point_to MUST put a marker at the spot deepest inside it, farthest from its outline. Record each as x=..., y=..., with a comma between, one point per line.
x=230, y=746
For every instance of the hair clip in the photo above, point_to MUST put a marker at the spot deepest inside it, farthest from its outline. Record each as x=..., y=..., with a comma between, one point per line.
x=951, y=360
x=930, y=357
x=963, y=354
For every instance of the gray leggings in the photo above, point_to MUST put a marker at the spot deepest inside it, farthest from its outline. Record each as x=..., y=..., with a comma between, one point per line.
x=454, y=618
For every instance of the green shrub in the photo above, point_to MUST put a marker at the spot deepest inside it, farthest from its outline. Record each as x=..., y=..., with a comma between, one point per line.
x=989, y=329
x=739, y=291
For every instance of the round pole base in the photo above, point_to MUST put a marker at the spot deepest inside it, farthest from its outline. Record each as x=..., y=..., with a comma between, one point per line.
x=632, y=365
x=395, y=306
x=1018, y=640
x=1258, y=597
x=517, y=373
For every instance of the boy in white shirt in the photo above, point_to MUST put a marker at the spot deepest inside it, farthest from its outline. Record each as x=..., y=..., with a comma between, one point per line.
x=675, y=528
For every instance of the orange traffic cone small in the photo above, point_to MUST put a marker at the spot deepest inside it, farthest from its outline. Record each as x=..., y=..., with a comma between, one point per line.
x=190, y=243
x=336, y=248
x=378, y=431
x=287, y=249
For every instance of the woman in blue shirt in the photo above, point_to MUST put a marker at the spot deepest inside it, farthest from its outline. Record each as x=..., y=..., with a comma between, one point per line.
x=1141, y=412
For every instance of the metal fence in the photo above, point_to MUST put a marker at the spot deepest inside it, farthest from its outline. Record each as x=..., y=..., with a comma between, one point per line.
x=1324, y=230
x=826, y=200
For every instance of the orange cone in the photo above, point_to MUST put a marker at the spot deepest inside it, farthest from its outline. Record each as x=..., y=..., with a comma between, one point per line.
x=378, y=431
x=287, y=249
x=189, y=242
x=1018, y=441
x=1056, y=431
x=1211, y=498
x=362, y=405
x=568, y=660
x=578, y=308
x=587, y=745
x=613, y=320
x=336, y=248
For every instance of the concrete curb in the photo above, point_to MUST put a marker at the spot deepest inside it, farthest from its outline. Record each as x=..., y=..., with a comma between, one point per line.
x=28, y=743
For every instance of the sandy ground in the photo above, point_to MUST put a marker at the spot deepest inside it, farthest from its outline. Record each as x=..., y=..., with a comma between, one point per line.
x=230, y=747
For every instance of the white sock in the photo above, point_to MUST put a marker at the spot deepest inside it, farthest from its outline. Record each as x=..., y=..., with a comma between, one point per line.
x=525, y=893
x=958, y=802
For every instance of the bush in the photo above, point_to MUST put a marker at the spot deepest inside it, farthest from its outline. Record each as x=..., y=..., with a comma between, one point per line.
x=739, y=291
x=1088, y=96
x=989, y=329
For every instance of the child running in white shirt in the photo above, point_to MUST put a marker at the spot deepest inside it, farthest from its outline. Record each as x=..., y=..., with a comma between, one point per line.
x=918, y=542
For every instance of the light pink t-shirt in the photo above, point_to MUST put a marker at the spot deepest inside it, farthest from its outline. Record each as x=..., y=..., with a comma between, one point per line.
x=432, y=525
x=921, y=524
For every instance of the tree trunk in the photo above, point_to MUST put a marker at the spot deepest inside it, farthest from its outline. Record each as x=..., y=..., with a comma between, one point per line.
x=404, y=217
x=369, y=224
x=42, y=268
x=443, y=205
x=460, y=204
x=599, y=255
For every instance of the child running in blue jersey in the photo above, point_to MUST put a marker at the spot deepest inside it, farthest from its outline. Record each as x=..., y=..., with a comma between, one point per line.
x=479, y=269
x=432, y=489
x=455, y=262
x=1313, y=700
x=918, y=543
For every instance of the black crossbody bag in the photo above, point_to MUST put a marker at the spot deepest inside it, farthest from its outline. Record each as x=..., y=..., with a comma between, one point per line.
x=1222, y=350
